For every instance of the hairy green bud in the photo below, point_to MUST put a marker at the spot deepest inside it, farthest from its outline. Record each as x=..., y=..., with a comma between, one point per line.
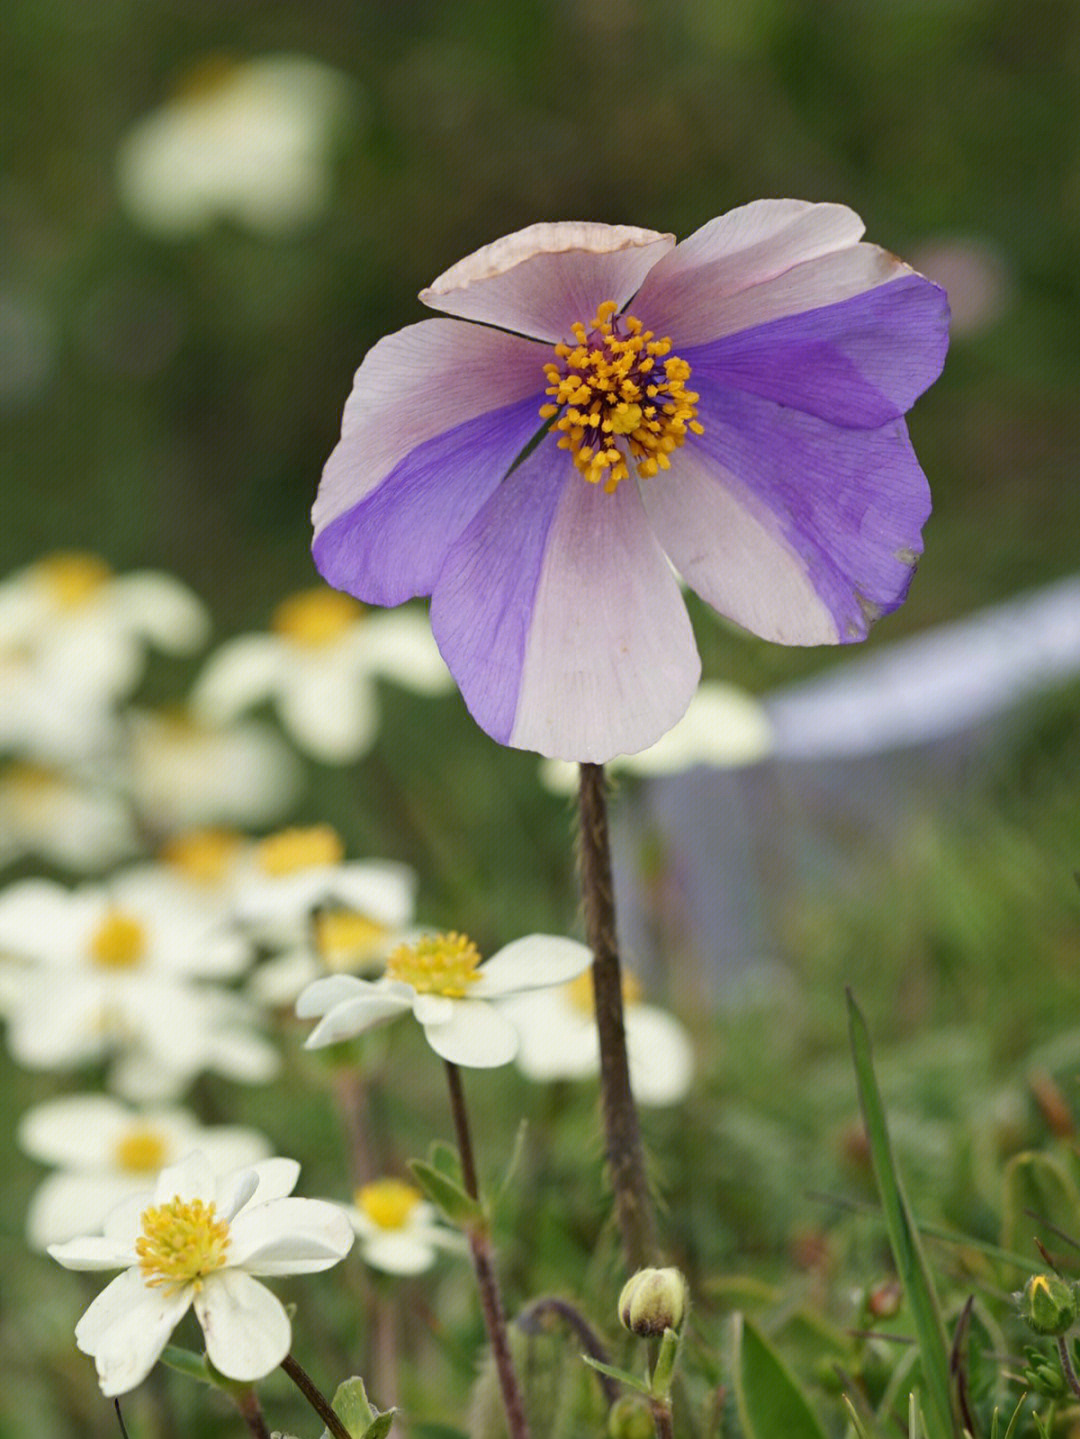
x=1048, y=1304
x=630, y=1418
x=653, y=1300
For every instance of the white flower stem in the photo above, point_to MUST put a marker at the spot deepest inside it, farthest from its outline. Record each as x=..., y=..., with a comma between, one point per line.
x=626, y=1162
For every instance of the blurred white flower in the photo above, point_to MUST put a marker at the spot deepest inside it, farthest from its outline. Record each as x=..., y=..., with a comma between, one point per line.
x=342, y=941
x=319, y=665
x=399, y=1231
x=248, y=142
x=441, y=981
x=58, y=817
x=185, y=773
x=723, y=728
x=104, y=1150
x=559, y=1041
x=196, y=1240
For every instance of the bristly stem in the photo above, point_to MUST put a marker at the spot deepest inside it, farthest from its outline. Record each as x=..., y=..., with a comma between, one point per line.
x=1066, y=1366
x=625, y=1157
x=315, y=1397
x=484, y=1267
x=661, y=1413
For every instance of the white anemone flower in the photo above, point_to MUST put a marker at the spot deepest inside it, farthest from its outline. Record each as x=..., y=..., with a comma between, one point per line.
x=559, y=1041
x=249, y=142
x=399, y=1232
x=57, y=816
x=319, y=665
x=103, y=1151
x=723, y=728
x=441, y=981
x=197, y=1240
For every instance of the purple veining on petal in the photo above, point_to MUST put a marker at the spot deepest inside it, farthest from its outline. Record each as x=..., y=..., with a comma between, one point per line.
x=850, y=502
x=391, y=545
x=481, y=606
x=858, y=363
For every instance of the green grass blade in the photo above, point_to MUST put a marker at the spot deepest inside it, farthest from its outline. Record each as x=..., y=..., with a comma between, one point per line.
x=769, y=1399
x=907, y=1250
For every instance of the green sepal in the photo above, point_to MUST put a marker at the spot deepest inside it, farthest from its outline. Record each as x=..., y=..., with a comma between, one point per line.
x=449, y=1197
x=630, y=1380
x=186, y=1361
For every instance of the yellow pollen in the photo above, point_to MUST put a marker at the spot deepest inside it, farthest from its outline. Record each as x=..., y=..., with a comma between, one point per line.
x=436, y=964
x=203, y=855
x=73, y=577
x=119, y=941
x=316, y=617
x=181, y=1242
x=347, y=940
x=596, y=387
x=295, y=849
x=140, y=1151
x=580, y=992
x=387, y=1202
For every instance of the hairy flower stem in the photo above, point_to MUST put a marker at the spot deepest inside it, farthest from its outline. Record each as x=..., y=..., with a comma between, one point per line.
x=251, y=1411
x=484, y=1267
x=661, y=1413
x=315, y=1397
x=626, y=1161
x=1066, y=1366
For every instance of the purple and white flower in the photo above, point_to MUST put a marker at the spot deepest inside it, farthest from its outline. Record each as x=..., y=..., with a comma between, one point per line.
x=605, y=405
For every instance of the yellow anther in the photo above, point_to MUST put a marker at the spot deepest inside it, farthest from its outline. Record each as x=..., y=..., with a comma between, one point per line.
x=119, y=941
x=348, y=940
x=387, y=1202
x=181, y=1242
x=203, y=855
x=444, y=964
x=295, y=849
x=72, y=577
x=140, y=1151
x=316, y=617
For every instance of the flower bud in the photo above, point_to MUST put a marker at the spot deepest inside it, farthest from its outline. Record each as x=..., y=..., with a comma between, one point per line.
x=1048, y=1304
x=630, y=1418
x=653, y=1300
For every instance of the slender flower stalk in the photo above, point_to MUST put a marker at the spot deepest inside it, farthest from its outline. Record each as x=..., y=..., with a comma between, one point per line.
x=626, y=1162
x=315, y=1397
x=484, y=1267
x=251, y=1411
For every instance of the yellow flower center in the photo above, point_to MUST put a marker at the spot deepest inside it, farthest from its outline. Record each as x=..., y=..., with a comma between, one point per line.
x=72, y=577
x=436, y=964
x=580, y=992
x=387, y=1202
x=140, y=1151
x=181, y=1242
x=316, y=617
x=119, y=941
x=295, y=849
x=203, y=855
x=619, y=383
x=348, y=940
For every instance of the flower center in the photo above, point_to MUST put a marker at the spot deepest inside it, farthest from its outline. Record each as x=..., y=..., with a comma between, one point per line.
x=140, y=1151
x=295, y=849
x=316, y=617
x=387, y=1202
x=622, y=396
x=119, y=941
x=580, y=992
x=436, y=964
x=73, y=578
x=346, y=939
x=181, y=1242
x=203, y=855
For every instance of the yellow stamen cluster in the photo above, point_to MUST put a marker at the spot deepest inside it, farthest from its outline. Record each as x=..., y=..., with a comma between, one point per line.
x=387, y=1202
x=436, y=964
x=119, y=941
x=316, y=617
x=348, y=940
x=181, y=1242
x=619, y=383
x=294, y=849
x=203, y=855
x=141, y=1150
x=73, y=577
x=580, y=992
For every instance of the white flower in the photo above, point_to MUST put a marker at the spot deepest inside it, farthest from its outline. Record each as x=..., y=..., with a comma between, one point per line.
x=105, y=1150
x=441, y=981
x=246, y=142
x=723, y=728
x=198, y=1240
x=81, y=825
x=319, y=666
x=559, y=1041
x=399, y=1231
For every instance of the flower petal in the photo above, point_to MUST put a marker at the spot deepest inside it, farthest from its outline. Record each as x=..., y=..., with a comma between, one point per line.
x=660, y=1055
x=534, y=962
x=239, y=674
x=92, y=1251
x=475, y=1035
x=398, y=1253
x=69, y=1203
x=860, y=362
x=246, y=1328
x=438, y=413
x=356, y=1016
x=542, y=279
x=289, y=1236
x=161, y=609
x=127, y=1327
x=801, y=532
x=189, y=1178
x=560, y=619
x=333, y=714
x=276, y=1178
x=78, y=1131
x=323, y=994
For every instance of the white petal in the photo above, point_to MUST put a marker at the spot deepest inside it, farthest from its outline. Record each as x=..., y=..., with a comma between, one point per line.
x=161, y=609
x=534, y=962
x=132, y=1328
x=660, y=1055
x=323, y=994
x=724, y=727
x=397, y=1253
x=558, y=1038
x=233, y=1192
x=332, y=714
x=92, y=1251
x=246, y=1328
x=241, y=673
x=356, y=1016
x=476, y=1036
x=79, y=1131
x=397, y=645
x=189, y=1178
x=69, y=1204
x=290, y=1236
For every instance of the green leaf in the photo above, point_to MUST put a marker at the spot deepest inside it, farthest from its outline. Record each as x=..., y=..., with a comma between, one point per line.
x=445, y=1158
x=768, y=1397
x=350, y=1404
x=904, y=1239
x=630, y=1380
x=447, y=1195
x=381, y=1427
x=1041, y=1184
x=185, y=1361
